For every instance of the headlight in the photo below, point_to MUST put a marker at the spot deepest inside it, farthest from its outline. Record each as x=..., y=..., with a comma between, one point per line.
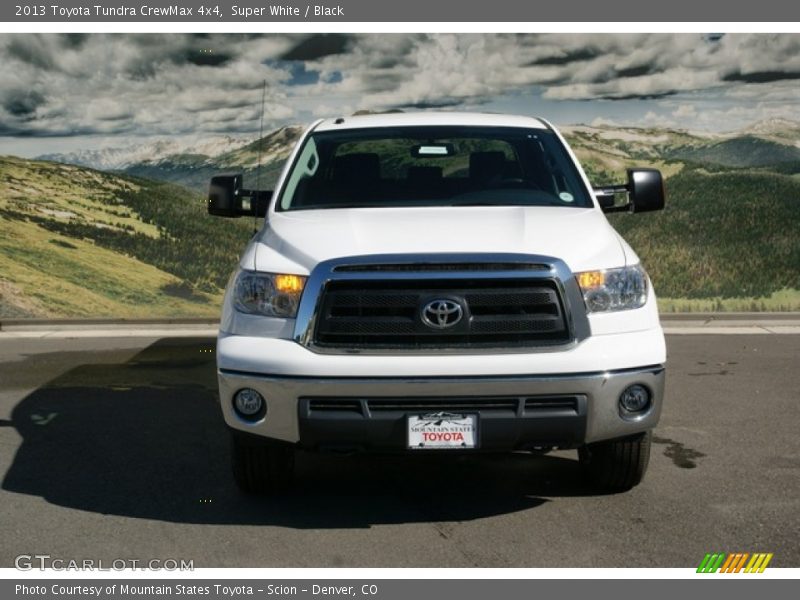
x=613, y=289
x=268, y=294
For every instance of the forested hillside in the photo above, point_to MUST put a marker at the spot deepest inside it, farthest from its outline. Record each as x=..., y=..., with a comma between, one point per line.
x=78, y=242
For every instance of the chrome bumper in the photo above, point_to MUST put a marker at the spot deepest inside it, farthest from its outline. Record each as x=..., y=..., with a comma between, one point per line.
x=601, y=391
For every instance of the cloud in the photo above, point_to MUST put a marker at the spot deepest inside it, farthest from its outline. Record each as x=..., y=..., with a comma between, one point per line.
x=318, y=46
x=604, y=122
x=561, y=58
x=109, y=109
x=437, y=104
x=35, y=51
x=22, y=103
x=150, y=84
x=179, y=85
x=206, y=57
x=654, y=119
x=685, y=111
x=762, y=76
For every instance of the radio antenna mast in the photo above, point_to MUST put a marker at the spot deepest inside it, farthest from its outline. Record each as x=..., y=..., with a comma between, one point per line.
x=257, y=198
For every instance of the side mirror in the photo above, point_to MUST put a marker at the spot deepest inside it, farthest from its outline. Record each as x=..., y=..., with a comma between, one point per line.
x=227, y=198
x=223, y=195
x=645, y=190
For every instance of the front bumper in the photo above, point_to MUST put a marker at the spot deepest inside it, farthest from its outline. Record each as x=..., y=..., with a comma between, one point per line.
x=594, y=414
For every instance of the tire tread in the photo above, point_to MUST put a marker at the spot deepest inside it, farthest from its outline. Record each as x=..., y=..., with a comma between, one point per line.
x=261, y=468
x=617, y=465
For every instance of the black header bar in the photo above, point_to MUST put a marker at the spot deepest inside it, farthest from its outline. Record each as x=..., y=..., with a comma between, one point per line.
x=465, y=11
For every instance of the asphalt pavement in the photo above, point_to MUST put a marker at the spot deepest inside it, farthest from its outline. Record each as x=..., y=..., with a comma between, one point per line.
x=113, y=447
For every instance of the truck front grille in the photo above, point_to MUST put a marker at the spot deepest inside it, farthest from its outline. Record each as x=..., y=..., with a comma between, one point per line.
x=502, y=313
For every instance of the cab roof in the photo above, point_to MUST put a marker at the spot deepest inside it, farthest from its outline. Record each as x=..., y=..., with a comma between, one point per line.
x=414, y=119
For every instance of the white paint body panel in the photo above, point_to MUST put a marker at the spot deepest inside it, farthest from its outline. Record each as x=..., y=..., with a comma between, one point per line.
x=581, y=237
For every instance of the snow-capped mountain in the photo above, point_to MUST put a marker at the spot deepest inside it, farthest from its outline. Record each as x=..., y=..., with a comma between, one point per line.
x=774, y=126
x=122, y=157
x=194, y=167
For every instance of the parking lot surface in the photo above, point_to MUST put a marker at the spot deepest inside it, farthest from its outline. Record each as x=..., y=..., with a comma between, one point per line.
x=114, y=448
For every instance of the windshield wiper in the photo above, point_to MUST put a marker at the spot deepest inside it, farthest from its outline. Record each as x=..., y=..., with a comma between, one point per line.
x=340, y=205
x=501, y=203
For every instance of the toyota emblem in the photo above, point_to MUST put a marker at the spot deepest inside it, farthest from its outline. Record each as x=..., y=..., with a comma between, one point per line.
x=442, y=314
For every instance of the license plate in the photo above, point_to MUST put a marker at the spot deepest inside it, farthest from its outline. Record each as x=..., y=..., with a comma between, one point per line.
x=442, y=431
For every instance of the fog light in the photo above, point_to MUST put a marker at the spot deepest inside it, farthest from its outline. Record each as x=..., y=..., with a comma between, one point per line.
x=249, y=404
x=634, y=399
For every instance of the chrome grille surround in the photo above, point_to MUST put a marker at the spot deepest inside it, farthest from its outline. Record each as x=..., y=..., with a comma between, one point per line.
x=419, y=271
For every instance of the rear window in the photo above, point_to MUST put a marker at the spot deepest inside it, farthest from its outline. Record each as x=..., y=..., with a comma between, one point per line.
x=432, y=166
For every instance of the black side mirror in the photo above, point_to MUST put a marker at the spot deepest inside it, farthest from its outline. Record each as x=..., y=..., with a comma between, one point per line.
x=227, y=198
x=223, y=195
x=645, y=190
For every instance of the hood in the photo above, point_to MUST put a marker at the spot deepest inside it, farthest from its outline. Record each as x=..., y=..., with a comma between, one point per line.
x=581, y=237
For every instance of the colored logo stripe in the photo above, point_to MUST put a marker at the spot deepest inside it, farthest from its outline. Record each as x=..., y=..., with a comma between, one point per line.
x=734, y=562
x=732, y=559
x=711, y=562
x=703, y=564
x=758, y=563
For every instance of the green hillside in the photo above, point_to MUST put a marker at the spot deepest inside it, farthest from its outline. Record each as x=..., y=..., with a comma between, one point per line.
x=728, y=234
x=78, y=242
x=745, y=151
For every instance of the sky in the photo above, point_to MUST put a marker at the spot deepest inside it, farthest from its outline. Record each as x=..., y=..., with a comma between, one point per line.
x=64, y=92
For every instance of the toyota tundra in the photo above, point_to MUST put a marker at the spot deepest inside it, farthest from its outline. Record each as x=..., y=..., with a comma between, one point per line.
x=438, y=283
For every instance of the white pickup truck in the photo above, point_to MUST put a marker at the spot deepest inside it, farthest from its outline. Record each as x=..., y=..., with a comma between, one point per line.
x=438, y=283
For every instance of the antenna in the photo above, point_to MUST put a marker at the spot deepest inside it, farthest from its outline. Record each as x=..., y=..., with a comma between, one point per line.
x=260, y=145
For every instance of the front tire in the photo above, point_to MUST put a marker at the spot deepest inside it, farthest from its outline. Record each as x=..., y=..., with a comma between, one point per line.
x=617, y=465
x=261, y=468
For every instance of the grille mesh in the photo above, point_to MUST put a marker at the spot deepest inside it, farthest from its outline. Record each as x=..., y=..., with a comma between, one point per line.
x=387, y=314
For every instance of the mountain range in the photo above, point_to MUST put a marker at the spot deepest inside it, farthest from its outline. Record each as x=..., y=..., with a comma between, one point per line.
x=603, y=150
x=192, y=165
x=118, y=158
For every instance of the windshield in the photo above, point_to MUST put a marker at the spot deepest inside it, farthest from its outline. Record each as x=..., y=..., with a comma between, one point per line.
x=433, y=166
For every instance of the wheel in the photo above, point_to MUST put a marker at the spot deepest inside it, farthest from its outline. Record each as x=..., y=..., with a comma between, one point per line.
x=617, y=465
x=261, y=468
